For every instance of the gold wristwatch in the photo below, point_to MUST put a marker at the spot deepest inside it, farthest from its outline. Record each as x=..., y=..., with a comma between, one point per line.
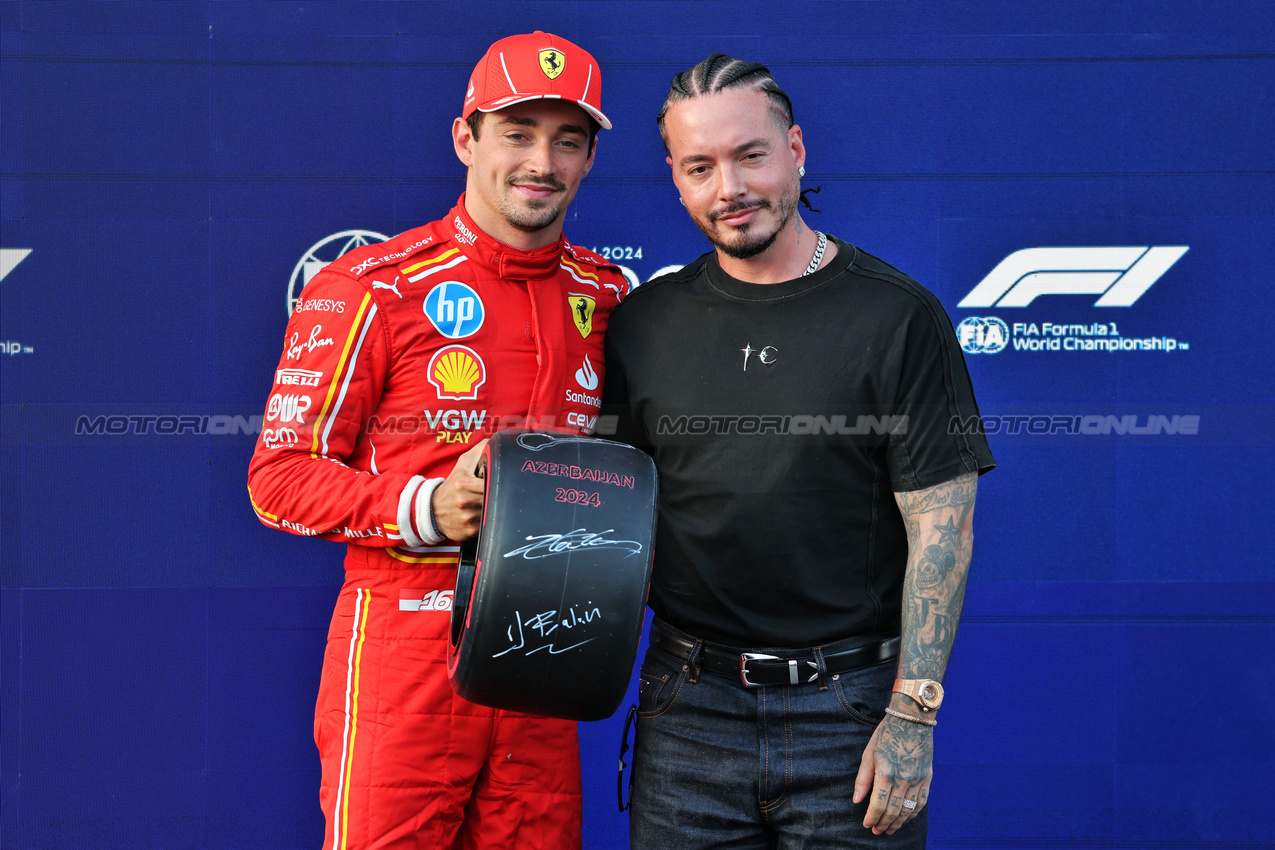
x=926, y=692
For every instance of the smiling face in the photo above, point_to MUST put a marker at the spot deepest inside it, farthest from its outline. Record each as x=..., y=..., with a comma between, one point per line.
x=525, y=166
x=735, y=168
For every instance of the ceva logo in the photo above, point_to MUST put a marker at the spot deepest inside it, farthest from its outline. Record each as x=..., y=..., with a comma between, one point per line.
x=1118, y=274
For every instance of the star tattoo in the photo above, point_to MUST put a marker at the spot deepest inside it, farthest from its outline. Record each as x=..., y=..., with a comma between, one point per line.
x=949, y=533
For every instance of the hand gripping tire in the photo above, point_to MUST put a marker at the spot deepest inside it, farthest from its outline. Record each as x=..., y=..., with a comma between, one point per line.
x=551, y=594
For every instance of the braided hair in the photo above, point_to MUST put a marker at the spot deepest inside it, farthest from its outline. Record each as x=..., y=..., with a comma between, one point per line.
x=719, y=72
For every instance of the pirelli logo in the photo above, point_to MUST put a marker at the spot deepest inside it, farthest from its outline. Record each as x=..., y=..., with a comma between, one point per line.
x=297, y=377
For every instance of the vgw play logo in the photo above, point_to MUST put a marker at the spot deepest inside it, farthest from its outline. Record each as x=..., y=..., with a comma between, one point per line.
x=1119, y=276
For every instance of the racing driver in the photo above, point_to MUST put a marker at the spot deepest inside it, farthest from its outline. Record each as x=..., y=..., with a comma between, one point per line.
x=398, y=358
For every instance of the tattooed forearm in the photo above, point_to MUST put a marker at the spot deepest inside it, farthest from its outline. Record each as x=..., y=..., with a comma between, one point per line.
x=958, y=491
x=940, y=541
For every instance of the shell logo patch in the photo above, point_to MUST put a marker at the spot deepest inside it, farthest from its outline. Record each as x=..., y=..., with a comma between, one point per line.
x=582, y=311
x=552, y=62
x=457, y=372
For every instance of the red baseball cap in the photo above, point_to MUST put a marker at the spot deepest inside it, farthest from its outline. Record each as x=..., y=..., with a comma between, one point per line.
x=531, y=67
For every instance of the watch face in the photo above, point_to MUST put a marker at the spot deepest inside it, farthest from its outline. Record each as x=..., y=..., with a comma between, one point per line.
x=929, y=693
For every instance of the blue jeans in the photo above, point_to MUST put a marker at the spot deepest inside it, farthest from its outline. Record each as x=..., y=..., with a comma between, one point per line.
x=719, y=765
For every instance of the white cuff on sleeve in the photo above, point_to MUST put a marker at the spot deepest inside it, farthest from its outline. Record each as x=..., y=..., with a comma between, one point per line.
x=405, y=502
x=423, y=513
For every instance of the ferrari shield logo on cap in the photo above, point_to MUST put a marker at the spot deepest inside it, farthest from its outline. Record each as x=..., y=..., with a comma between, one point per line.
x=582, y=312
x=552, y=62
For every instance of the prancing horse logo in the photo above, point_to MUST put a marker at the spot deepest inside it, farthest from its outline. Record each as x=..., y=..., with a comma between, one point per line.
x=552, y=62
x=582, y=312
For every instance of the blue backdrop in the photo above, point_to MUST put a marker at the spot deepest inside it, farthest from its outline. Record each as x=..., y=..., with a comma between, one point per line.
x=171, y=171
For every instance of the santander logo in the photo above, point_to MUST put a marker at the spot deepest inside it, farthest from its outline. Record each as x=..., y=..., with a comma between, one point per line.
x=585, y=376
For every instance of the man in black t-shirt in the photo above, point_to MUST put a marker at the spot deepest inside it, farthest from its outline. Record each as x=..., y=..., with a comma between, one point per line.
x=805, y=404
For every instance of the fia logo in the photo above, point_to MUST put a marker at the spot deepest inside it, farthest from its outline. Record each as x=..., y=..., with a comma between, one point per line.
x=982, y=335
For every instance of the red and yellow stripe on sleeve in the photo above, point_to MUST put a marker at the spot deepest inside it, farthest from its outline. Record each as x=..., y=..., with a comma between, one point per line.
x=341, y=375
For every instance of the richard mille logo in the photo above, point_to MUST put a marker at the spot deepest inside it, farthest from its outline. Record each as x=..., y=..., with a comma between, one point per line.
x=767, y=355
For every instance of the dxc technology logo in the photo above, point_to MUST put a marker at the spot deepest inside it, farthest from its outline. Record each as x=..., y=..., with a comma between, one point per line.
x=1120, y=275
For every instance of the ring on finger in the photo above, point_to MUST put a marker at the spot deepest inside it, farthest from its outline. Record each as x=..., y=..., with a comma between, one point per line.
x=909, y=804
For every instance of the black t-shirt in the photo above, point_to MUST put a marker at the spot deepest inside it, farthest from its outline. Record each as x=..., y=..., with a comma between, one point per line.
x=782, y=418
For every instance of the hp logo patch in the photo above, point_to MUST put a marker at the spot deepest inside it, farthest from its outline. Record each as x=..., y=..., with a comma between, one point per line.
x=454, y=309
x=982, y=335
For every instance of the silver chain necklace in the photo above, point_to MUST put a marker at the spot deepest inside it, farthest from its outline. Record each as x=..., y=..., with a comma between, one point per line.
x=818, y=257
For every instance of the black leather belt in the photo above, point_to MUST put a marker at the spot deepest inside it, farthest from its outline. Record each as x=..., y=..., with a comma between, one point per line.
x=754, y=669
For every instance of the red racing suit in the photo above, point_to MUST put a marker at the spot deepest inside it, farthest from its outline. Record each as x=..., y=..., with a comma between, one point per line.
x=399, y=357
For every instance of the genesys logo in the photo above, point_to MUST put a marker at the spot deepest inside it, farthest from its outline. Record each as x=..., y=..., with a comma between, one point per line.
x=322, y=305
x=320, y=254
x=1118, y=275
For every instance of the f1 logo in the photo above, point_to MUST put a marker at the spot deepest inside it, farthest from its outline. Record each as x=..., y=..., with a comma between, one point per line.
x=1119, y=274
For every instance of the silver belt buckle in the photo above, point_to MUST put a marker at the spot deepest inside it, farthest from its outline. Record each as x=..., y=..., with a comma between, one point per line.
x=744, y=658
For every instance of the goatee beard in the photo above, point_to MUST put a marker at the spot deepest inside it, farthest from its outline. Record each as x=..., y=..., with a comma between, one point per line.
x=742, y=247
